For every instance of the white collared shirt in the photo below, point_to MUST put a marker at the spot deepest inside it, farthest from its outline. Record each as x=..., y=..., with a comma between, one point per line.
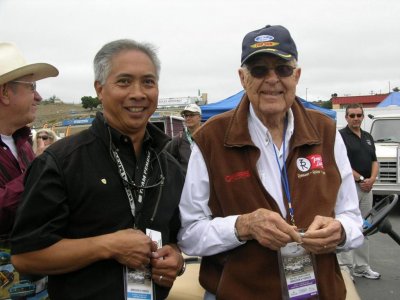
x=203, y=235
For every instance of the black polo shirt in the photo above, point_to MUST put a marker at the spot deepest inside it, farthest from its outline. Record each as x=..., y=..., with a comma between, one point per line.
x=74, y=190
x=361, y=151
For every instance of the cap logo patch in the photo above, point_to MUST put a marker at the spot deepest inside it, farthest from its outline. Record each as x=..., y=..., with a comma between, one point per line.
x=264, y=38
x=264, y=44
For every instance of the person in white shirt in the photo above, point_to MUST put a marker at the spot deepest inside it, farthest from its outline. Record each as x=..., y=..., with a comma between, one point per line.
x=259, y=173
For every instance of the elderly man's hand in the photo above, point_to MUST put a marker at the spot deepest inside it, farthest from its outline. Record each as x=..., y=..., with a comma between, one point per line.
x=323, y=235
x=267, y=227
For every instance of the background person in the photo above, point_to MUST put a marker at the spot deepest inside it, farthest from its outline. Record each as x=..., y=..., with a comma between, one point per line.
x=18, y=104
x=43, y=138
x=361, y=152
x=181, y=145
x=234, y=210
x=99, y=190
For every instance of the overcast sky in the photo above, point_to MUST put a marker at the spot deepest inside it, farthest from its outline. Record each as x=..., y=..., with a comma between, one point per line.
x=348, y=47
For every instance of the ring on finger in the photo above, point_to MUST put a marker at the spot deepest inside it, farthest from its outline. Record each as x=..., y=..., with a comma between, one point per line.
x=160, y=277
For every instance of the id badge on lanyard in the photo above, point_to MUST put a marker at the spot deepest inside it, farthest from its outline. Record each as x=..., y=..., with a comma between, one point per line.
x=296, y=264
x=138, y=283
x=296, y=268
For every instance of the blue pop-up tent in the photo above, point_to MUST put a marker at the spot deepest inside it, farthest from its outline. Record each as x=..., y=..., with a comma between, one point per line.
x=392, y=99
x=231, y=102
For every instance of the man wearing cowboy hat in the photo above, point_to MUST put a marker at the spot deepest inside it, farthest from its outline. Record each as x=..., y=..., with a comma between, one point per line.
x=18, y=104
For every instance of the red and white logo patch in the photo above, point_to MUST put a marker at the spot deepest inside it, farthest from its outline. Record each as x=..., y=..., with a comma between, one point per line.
x=309, y=163
x=316, y=161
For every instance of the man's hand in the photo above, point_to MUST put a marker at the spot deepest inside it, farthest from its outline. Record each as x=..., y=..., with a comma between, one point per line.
x=166, y=263
x=323, y=235
x=366, y=184
x=131, y=248
x=267, y=227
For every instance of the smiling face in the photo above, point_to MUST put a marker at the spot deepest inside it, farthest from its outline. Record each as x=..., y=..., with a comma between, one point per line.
x=130, y=93
x=20, y=100
x=271, y=96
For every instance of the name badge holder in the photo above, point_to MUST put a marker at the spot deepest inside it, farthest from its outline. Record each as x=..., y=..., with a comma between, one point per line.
x=297, y=273
x=138, y=283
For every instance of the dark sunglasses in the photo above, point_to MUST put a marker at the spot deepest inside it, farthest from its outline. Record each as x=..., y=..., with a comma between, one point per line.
x=280, y=71
x=43, y=137
x=354, y=115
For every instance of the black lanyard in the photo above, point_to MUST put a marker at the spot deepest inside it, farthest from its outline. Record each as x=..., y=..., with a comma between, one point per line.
x=127, y=179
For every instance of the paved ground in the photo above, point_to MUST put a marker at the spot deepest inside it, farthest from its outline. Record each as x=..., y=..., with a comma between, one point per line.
x=385, y=259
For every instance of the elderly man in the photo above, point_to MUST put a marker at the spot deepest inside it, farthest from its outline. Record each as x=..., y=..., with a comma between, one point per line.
x=260, y=173
x=18, y=103
x=181, y=145
x=100, y=192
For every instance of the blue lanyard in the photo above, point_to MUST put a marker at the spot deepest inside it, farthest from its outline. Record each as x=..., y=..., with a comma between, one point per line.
x=284, y=175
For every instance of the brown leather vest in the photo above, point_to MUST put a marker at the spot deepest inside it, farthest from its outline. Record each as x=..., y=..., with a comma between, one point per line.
x=251, y=271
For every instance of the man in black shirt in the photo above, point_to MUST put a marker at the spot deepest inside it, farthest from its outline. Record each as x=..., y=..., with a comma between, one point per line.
x=361, y=152
x=91, y=197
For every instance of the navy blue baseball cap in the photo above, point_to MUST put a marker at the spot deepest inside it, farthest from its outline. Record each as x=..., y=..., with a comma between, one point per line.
x=273, y=39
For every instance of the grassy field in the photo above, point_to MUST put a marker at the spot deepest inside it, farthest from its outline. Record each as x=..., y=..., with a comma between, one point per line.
x=54, y=113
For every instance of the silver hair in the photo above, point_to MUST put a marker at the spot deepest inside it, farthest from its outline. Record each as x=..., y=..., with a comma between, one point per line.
x=102, y=60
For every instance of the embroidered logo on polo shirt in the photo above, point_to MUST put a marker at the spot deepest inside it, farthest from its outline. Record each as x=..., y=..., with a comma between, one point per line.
x=312, y=164
x=237, y=176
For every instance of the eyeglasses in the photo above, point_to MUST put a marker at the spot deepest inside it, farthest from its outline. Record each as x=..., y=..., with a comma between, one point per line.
x=189, y=115
x=31, y=83
x=354, y=115
x=43, y=137
x=280, y=71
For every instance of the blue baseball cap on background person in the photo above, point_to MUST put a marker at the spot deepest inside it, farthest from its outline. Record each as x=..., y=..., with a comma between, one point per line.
x=273, y=39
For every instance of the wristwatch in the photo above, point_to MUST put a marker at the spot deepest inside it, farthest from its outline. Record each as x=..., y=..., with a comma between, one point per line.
x=181, y=271
x=361, y=179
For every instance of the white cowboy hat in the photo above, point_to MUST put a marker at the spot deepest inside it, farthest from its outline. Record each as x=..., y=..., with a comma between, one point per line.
x=13, y=65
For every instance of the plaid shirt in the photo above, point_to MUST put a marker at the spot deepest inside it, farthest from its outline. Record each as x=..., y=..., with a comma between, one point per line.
x=11, y=177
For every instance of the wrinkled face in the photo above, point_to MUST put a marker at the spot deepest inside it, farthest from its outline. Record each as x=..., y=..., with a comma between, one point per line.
x=130, y=93
x=354, y=117
x=23, y=100
x=271, y=95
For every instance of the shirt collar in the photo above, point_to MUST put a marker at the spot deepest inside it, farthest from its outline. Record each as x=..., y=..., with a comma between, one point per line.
x=256, y=124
